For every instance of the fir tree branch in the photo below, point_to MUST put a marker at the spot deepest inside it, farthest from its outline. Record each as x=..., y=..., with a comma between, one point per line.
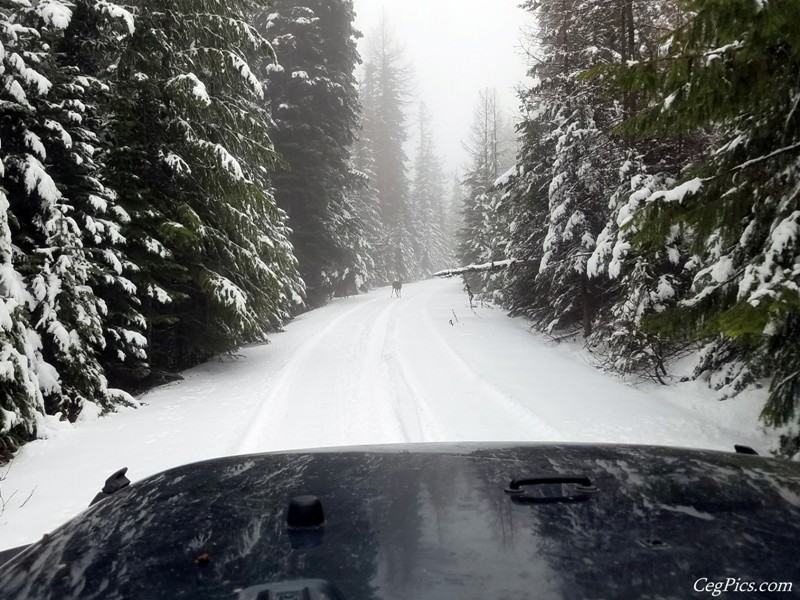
x=754, y=161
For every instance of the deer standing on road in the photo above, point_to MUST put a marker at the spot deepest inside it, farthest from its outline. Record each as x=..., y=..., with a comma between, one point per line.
x=397, y=287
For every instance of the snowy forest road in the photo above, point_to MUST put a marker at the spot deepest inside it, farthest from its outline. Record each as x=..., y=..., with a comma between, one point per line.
x=385, y=371
x=425, y=368
x=365, y=370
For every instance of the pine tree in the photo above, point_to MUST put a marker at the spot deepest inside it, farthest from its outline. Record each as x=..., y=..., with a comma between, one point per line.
x=314, y=102
x=385, y=128
x=61, y=220
x=99, y=301
x=576, y=35
x=574, y=179
x=86, y=56
x=732, y=67
x=190, y=156
x=453, y=222
x=21, y=363
x=427, y=198
x=24, y=371
x=642, y=284
x=484, y=234
x=366, y=201
x=639, y=284
x=527, y=196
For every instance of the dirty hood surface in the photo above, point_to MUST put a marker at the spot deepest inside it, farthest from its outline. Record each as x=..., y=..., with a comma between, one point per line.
x=439, y=522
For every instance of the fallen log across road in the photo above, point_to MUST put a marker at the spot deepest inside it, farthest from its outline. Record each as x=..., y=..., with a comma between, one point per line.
x=490, y=266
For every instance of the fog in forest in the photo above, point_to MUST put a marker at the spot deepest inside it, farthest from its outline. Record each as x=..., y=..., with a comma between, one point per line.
x=456, y=48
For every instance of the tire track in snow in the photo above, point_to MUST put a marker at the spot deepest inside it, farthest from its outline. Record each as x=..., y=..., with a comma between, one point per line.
x=280, y=389
x=411, y=406
x=430, y=427
x=383, y=372
x=373, y=393
x=490, y=402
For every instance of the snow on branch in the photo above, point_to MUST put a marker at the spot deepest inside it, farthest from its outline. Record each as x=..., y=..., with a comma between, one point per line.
x=679, y=193
x=54, y=13
x=196, y=88
x=115, y=11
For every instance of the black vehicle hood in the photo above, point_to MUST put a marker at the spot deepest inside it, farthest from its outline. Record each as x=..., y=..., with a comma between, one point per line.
x=431, y=522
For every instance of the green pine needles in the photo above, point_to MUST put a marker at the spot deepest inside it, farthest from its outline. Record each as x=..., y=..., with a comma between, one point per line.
x=731, y=70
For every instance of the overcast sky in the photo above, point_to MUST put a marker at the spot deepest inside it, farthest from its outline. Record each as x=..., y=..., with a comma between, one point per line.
x=456, y=48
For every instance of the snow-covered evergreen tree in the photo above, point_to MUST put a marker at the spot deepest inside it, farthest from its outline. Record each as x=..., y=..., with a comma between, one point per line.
x=578, y=180
x=385, y=128
x=576, y=122
x=484, y=234
x=638, y=283
x=314, y=102
x=732, y=67
x=61, y=218
x=83, y=89
x=643, y=283
x=23, y=370
x=190, y=156
x=427, y=202
x=526, y=190
x=366, y=200
x=453, y=222
x=102, y=308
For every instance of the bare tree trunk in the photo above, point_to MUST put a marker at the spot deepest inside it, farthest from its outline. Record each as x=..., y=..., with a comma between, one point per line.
x=586, y=301
x=631, y=43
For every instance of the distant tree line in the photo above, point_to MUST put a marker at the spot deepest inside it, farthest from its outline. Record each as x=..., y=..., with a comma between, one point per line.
x=407, y=214
x=655, y=204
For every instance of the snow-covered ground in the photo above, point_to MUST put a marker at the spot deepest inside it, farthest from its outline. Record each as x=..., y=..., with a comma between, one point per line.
x=366, y=370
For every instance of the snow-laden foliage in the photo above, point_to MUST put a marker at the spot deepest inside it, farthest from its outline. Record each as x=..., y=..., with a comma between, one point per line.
x=733, y=68
x=313, y=98
x=190, y=155
x=21, y=362
x=138, y=233
x=366, y=202
x=558, y=195
x=567, y=198
x=62, y=219
x=453, y=222
x=655, y=200
x=641, y=283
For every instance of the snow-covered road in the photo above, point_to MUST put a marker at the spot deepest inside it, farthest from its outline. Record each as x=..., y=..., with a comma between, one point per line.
x=362, y=370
